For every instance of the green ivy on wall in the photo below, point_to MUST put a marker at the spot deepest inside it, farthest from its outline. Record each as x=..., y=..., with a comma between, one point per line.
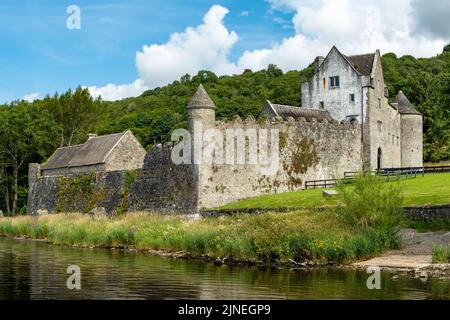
x=78, y=194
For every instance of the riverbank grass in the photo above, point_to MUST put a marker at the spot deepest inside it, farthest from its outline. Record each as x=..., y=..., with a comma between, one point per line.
x=299, y=236
x=441, y=254
x=364, y=226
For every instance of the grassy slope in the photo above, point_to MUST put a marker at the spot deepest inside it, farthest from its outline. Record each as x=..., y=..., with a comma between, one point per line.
x=430, y=189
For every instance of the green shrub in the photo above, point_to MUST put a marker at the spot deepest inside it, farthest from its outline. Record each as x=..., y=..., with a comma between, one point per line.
x=369, y=202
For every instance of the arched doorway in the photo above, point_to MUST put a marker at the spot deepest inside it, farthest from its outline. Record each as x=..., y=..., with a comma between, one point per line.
x=379, y=156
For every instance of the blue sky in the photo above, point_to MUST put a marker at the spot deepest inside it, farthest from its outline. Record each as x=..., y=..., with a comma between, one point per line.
x=39, y=55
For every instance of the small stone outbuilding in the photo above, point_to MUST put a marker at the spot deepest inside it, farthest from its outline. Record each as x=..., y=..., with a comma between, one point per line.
x=113, y=152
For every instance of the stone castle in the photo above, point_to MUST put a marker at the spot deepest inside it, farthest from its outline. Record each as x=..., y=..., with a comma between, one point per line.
x=345, y=124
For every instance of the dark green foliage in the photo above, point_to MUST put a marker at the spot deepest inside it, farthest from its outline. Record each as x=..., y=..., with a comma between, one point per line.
x=426, y=82
x=447, y=48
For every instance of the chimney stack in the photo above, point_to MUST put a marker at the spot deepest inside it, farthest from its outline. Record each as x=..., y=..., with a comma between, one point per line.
x=317, y=63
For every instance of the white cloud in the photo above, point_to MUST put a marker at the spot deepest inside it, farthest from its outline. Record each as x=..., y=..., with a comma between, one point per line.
x=245, y=13
x=204, y=47
x=31, y=97
x=112, y=92
x=354, y=27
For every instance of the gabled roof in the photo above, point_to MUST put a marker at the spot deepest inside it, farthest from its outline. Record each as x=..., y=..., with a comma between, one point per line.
x=286, y=112
x=404, y=105
x=201, y=100
x=92, y=152
x=362, y=63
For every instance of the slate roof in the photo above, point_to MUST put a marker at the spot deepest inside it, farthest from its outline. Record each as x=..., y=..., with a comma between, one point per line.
x=362, y=63
x=404, y=105
x=298, y=112
x=201, y=100
x=92, y=152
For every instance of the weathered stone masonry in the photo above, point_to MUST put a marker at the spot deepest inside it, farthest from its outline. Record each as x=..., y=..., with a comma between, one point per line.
x=159, y=185
x=345, y=124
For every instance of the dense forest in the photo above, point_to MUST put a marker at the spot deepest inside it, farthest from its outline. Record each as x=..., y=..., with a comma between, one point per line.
x=30, y=132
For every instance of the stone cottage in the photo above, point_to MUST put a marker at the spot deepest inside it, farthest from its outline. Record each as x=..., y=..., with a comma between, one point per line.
x=113, y=152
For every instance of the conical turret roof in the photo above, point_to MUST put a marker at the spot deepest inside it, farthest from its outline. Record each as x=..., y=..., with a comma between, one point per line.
x=404, y=105
x=201, y=100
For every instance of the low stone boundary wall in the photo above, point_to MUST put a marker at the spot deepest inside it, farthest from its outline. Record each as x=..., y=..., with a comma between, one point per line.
x=426, y=213
x=418, y=213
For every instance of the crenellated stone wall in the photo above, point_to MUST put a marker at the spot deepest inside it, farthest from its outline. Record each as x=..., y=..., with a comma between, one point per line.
x=308, y=151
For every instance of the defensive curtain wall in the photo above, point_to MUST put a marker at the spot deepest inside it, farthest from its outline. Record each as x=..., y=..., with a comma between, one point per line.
x=307, y=151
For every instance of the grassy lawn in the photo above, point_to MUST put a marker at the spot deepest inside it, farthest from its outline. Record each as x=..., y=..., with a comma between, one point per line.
x=431, y=189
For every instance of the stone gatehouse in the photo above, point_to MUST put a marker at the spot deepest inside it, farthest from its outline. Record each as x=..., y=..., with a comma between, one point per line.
x=345, y=124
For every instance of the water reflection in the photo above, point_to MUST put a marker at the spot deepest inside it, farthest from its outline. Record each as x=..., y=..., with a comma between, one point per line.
x=31, y=270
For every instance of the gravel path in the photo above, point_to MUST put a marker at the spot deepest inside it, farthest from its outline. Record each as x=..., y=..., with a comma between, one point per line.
x=416, y=252
x=415, y=243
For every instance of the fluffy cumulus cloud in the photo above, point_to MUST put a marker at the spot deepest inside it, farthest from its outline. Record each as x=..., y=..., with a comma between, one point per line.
x=417, y=27
x=204, y=47
x=354, y=27
x=112, y=92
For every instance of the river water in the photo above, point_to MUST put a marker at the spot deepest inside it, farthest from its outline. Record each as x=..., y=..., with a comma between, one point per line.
x=34, y=270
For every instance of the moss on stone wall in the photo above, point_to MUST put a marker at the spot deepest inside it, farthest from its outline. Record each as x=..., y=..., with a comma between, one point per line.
x=129, y=179
x=303, y=156
x=78, y=194
x=284, y=139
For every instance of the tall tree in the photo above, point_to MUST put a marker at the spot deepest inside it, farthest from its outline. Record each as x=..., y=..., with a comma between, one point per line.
x=77, y=113
x=26, y=132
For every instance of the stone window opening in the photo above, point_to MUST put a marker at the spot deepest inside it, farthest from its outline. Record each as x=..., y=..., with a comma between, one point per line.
x=321, y=105
x=379, y=103
x=380, y=126
x=334, y=82
x=352, y=98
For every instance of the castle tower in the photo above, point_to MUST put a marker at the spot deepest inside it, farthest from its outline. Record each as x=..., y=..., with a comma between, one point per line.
x=201, y=109
x=411, y=132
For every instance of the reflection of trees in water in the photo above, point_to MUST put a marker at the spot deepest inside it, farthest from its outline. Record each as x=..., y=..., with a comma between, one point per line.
x=14, y=274
x=36, y=270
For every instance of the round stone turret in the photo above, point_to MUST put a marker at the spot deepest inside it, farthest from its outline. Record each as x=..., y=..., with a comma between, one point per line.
x=201, y=109
x=411, y=132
